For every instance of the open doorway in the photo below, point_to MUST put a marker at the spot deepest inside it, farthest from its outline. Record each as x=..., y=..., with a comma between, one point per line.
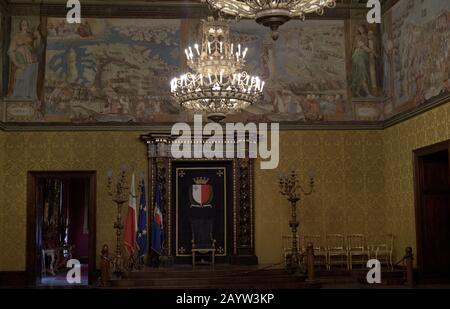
x=432, y=193
x=60, y=226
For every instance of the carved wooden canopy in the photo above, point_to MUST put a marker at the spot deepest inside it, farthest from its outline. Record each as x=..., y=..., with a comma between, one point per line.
x=242, y=218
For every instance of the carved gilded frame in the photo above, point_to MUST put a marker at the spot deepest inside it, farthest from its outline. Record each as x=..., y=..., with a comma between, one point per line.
x=161, y=164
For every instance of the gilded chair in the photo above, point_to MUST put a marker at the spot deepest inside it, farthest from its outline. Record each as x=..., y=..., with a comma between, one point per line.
x=336, y=251
x=202, y=240
x=357, y=250
x=384, y=252
x=320, y=251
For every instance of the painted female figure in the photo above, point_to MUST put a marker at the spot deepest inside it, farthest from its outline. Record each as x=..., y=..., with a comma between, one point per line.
x=23, y=54
x=361, y=64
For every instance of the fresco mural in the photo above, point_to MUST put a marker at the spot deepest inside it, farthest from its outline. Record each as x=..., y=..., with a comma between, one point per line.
x=366, y=61
x=24, y=52
x=420, y=35
x=387, y=60
x=24, y=56
x=119, y=70
x=304, y=69
x=366, y=70
x=111, y=70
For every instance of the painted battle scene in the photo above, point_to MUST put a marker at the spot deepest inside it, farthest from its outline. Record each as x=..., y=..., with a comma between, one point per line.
x=108, y=70
x=111, y=70
x=417, y=46
x=119, y=70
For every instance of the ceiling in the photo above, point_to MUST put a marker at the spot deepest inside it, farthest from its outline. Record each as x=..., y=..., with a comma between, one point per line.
x=353, y=3
x=151, y=8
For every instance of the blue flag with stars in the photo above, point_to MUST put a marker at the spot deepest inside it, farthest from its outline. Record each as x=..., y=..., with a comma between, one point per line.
x=142, y=223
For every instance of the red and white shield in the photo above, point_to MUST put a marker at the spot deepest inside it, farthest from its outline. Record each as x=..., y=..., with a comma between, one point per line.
x=201, y=193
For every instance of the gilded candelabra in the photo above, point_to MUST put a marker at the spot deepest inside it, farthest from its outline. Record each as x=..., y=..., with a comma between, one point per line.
x=119, y=195
x=291, y=188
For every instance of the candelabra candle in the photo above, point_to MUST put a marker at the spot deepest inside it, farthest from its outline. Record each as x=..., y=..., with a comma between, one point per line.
x=119, y=196
x=291, y=188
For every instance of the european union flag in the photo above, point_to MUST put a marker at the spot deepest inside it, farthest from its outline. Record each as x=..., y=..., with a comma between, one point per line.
x=157, y=224
x=142, y=223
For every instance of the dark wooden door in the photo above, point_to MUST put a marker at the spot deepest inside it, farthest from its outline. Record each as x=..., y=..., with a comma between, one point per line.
x=433, y=213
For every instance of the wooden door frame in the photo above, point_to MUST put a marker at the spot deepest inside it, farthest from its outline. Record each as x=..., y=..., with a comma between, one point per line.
x=31, y=253
x=418, y=181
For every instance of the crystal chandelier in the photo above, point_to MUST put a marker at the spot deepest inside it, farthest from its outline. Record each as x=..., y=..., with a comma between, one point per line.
x=218, y=84
x=271, y=13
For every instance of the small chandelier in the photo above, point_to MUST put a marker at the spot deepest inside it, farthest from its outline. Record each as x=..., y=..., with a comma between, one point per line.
x=271, y=13
x=218, y=84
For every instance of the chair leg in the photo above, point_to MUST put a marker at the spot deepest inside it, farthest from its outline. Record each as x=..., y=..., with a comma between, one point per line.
x=193, y=260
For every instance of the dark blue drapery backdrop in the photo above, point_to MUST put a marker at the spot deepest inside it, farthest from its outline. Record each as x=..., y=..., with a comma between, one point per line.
x=219, y=175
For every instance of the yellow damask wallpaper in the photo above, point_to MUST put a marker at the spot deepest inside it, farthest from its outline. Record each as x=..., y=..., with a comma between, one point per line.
x=38, y=151
x=399, y=142
x=364, y=181
x=347, y=164
x=2, y=243
x=349, y=195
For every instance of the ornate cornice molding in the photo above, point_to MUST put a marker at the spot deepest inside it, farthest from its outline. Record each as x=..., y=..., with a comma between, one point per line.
x=433, y=103
x=164, y=128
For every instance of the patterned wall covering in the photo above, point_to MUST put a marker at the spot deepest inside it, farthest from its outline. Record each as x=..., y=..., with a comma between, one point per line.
x=349, y=194
x=364, y=180
x=2, y=161
x=61, y=151
x=399, y=142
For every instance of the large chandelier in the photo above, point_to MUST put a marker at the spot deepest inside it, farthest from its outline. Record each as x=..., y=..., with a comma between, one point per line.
x=271, y=13
x=218, y=84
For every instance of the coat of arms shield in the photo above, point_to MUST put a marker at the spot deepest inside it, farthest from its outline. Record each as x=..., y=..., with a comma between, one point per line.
x=201, y=193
